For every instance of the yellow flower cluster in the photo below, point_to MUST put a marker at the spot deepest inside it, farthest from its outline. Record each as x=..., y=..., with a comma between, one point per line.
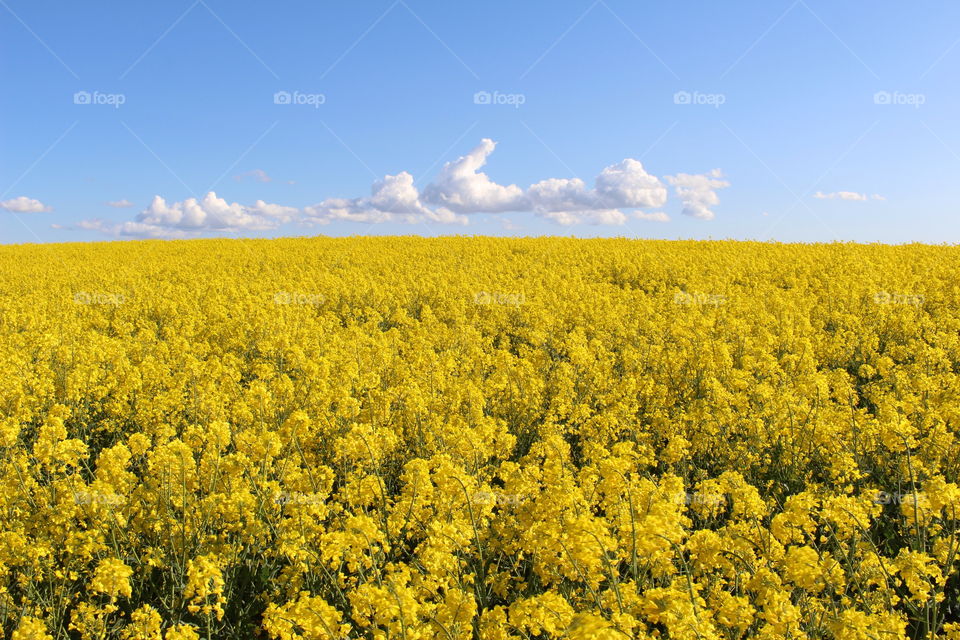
x=459, y=438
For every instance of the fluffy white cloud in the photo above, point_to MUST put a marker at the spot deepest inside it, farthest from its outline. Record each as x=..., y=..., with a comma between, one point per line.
x=214, y=213
x=462, y=188
x=627, y=185
x=698, y=192
x=620, y=191
x=24, y=204
x=842, y=195
x=131, y=229
x=561, y=194
x=120, y=204
x=591, y=216
x=654, y=216
x=392, y=199
x=193, y=217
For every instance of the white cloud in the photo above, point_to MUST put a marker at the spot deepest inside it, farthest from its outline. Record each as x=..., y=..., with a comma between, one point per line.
x=24, y=204
x=590, y=216
x=654, y=216
x=214, y=213
x=392, y=199
x=564, y=218
x=621, y=191
x=257, y=174
x=877, y=196
x=193, y=217
x=120, y=204
x=698, y=192
x=462, y=188
x=841, y=195
x=560, y=194
x=627, y=185
x=94, y=224
x=130, y=229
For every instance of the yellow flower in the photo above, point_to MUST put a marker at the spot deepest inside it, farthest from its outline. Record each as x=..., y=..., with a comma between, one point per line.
x=857, y=625
x=181, y=632
x=802, y=567
x=145, y=624
x=590, y=626
x=112, y=577
x=204, y=588
x=732, y=611
x=921, y=575
x=308, y=618
x=31, y=628
x=426, y=438
x=549, y=614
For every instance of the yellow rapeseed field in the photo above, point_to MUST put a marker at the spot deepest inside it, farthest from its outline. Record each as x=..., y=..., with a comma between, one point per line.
x=457, y=438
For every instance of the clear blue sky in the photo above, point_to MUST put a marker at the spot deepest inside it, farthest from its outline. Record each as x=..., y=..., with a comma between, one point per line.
x=780, y=96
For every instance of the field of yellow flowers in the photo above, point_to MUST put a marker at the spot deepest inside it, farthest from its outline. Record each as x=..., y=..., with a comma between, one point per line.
x=458, y=438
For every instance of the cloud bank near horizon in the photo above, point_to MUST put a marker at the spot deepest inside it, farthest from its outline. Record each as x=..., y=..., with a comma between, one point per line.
x=620, y=191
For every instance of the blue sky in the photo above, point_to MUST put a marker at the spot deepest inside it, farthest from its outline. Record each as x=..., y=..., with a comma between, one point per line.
x=799, y=120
